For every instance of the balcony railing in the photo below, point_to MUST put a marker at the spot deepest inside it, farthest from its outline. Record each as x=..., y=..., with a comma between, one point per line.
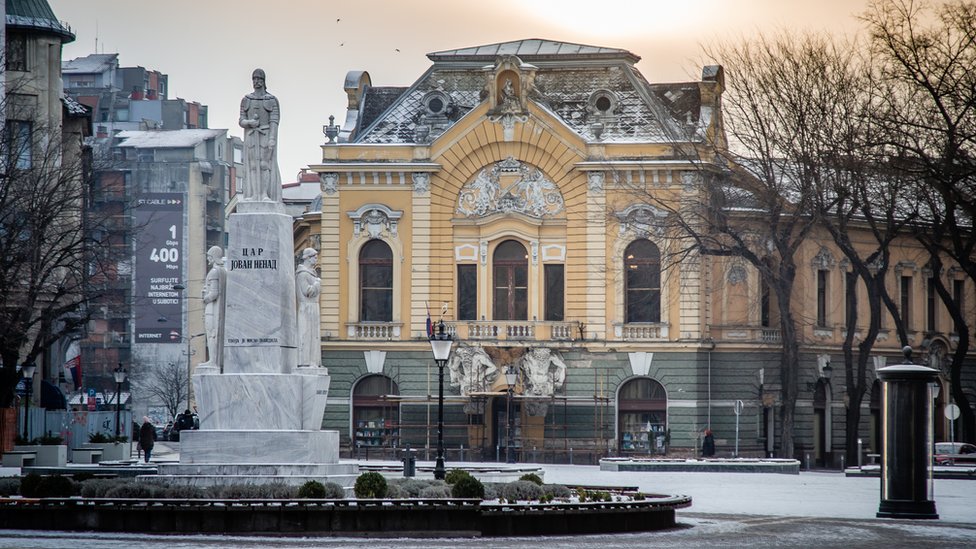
x=758, y=334
x=515, y=330
x=373, y=330
x=640, y=331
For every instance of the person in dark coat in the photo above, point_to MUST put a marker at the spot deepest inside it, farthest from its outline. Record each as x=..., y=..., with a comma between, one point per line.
x=147, y=437
x=708, y=445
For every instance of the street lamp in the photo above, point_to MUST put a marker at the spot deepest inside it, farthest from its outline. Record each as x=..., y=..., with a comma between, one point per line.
x=119, y=378
x=511, y=376
x=440, y=344
x=28, y=372
x=827, y=370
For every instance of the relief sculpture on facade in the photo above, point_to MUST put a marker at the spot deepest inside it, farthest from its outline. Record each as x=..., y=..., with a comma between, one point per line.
x=472, y=371
x=543, y=373
x=530, y=194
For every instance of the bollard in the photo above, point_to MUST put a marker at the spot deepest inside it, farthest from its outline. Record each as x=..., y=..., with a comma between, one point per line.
x=859, y=454
x=535, y=456
x=570, y=456
x=498, y=452
x=409, y=463
x=462, y=453
x=806, y=458
x=843, y=462
x=906, y=440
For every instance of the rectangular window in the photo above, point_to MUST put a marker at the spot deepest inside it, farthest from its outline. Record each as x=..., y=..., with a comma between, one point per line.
x=822, y=298
x=764, y=301
x=554, y=291
x=906, y=301
x=850, y=295
x=958, y=297
x=376, y=283
x=16, y=51
x=930, y=306
x=467, y=292
x=18, y=144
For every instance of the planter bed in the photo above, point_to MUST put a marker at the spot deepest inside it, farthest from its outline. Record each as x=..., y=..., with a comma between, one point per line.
x=369, y=518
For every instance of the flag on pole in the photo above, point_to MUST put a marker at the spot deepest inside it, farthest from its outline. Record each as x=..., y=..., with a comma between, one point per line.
x=430, y=325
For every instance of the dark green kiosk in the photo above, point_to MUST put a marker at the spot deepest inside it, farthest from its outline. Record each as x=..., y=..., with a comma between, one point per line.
x=907, y=431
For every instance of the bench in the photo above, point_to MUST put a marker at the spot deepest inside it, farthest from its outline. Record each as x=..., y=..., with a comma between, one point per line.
x=19, y=458
x=873, y=459
x=86, y=455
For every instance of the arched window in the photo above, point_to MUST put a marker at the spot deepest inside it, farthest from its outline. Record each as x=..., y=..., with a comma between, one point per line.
x=376, y=417
x=642, y=416
x=376, y=282
x=642, y=268
x=511, y=282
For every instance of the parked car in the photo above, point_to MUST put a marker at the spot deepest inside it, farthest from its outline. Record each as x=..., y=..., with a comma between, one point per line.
x=953, y=453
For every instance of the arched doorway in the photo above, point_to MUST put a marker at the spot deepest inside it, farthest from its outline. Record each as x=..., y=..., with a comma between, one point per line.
x=642, y=412
x=821, y=423
x=375, y=416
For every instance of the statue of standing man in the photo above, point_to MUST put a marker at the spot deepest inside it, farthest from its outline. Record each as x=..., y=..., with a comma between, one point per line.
x=259, y=118
x=214, y=288
x=308, y=286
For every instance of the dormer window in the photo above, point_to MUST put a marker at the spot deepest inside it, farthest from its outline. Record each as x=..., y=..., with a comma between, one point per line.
x=436, y=103
x=603, y=102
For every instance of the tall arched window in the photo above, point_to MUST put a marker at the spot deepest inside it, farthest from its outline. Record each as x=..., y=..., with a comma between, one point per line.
x=511, y=282
x=376, y=282
x=642, y=416
x=376, y=417
x=642, y=268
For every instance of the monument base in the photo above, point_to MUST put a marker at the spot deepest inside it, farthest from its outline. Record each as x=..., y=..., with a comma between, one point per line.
x=262, y=401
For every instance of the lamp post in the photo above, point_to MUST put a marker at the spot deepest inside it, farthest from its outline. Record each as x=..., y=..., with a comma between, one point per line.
x=119, y=378
x=511, y=377
x=440, y=344
x=28, y=372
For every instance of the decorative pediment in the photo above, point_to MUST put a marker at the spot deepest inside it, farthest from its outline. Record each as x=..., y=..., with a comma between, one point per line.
x=510, y=186
x=643, y=220
x=824, y=260
x=375, y=219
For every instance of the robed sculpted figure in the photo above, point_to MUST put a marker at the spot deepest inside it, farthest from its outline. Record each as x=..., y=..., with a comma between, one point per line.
x=214, y=288
x=308, y=286
x=259, y=118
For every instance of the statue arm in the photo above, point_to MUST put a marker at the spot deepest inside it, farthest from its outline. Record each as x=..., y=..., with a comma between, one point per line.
x=273, y=121
x=245, y=122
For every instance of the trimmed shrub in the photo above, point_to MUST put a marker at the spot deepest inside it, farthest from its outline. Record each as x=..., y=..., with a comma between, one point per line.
x=29, y=485
x=491, y=490
x=370, y=485
x=135, y=490
x=278, y=490
x=334, y=491
x=436, y=492
x=97, y=487
x=98, y=438
x=455, y=475
x=183, y=492
x=312, y=489
x=557, y=491
x=55, y=486
x=532, y=477
x=521, y=490
x=255, y=491
x=396, y=491
x=414, y=486
x=82, y=477
x=468, y=487
x=9, y=486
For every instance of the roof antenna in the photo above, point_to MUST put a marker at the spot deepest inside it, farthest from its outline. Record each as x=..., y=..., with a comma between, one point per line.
x=96, y=36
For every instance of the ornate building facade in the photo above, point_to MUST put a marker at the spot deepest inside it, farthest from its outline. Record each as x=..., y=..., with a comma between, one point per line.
x=497, y=193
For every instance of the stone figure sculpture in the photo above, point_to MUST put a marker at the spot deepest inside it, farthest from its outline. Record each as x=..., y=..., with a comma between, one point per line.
x=214, y=289
x=543, y=372
x=260, y=115
x=308, y=286
x=472, y=371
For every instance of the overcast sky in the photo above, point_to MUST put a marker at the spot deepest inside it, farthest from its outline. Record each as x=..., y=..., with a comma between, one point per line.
x=209, y=47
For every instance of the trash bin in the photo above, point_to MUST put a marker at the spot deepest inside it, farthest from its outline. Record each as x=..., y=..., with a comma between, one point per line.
x=409, y=460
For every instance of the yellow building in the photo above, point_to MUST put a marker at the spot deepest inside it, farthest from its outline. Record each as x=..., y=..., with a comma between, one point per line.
x=497, y=193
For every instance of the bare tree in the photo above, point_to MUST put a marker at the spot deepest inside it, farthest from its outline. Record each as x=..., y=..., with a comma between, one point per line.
x=164, y=384
x=926, y=58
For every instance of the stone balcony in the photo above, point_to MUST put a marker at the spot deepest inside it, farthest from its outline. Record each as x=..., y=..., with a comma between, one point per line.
x=515, y=330
x=373, y=331
x=757, y=334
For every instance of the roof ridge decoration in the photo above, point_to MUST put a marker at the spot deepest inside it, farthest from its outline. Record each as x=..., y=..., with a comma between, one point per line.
x=530, y=193
x=535, y=49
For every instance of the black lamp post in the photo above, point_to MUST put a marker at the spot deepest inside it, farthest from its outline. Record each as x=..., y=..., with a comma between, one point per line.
x=828, y=370
x=28, y=372
x=119, y=378
x=440, y=344
x=511, y=377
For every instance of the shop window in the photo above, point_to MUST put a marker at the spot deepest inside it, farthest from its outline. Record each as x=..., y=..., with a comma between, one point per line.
x=376, y=415
x=376, y=282
x=642, y=417
x=554, y=291
x=642, y=268
x=511, y=282
x=467, y=290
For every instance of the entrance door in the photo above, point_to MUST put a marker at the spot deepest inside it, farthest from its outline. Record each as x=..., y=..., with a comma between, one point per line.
x=502, y=427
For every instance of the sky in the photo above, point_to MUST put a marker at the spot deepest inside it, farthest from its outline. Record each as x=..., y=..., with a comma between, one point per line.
x=209, y=47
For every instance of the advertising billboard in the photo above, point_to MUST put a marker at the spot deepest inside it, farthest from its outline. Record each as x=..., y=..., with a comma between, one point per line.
x=157, y=306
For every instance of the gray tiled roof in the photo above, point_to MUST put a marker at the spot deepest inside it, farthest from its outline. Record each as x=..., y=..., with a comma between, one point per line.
x=95, y=63
x=532, y=49
x=36, y=15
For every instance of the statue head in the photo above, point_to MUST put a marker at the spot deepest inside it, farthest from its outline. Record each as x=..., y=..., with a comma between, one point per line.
x=257, y=75
x=309, y=255
x=214, y=254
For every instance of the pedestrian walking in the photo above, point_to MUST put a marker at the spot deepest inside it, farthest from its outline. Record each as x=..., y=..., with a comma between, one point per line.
x=147, y=437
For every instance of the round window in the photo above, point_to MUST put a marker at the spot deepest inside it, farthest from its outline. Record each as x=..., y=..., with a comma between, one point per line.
x=603, y=103
x=435, y=105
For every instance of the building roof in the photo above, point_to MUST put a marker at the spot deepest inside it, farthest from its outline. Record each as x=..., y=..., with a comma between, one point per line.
x=95, y=63
x=37, y=15
x=74, y=108
x=532, y=49
x=167, y=139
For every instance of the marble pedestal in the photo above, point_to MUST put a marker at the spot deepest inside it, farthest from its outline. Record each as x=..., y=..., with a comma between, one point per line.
x=262, y=401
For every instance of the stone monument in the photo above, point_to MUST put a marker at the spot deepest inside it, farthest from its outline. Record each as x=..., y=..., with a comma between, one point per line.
x=260, y=412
